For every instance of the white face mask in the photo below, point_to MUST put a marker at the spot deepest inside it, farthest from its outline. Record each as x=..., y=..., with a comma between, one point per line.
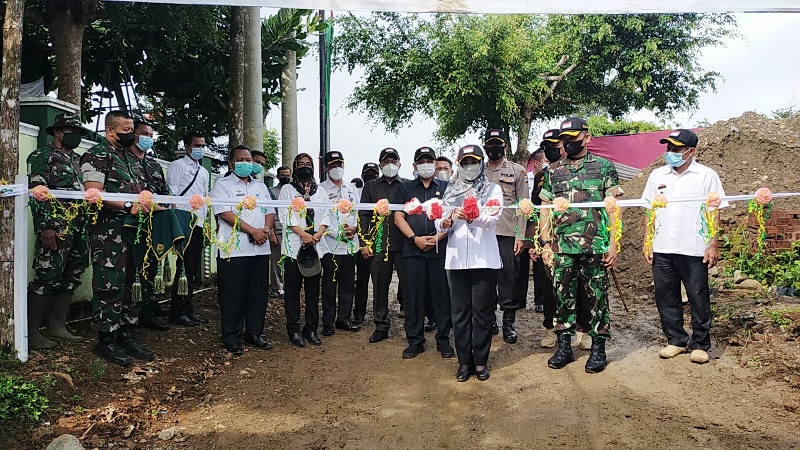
x=337, y=173
x=390, y=170
x=470, y=172
x=443, y=175
x=426, y=171
x=545, y=165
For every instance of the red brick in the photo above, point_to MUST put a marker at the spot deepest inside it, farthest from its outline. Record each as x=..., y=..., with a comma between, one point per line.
x=772, y=231
x=778, y=214
x=782, y=221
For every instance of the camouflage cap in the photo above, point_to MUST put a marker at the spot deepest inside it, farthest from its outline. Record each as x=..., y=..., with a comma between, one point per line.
x=67, y=119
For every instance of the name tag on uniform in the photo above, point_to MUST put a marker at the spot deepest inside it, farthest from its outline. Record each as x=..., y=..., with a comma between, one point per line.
x=239, y=193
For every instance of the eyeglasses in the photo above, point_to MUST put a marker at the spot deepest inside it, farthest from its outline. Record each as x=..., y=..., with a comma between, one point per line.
x=305, y=164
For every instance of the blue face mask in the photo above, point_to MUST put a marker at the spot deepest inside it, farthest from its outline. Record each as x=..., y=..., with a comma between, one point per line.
x=197, y=153
x=145, y=143
x=257, y=168
x=243, y=168
x=674, y=159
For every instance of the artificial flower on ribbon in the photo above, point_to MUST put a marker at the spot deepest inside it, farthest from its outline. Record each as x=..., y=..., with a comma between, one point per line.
x=94, y=204
x=560, y=204
x=434, y=208
x=298, y=205
x=658, y=201
x=709, y=228
x=196, y=202
x=470, y=208
x=413, y=207
x=57, y=210
x=615, y=221
x=376, y=234
x=526, y=209
x=492, y=207
x=227, y=247
x=760, y=208
x=344, y=206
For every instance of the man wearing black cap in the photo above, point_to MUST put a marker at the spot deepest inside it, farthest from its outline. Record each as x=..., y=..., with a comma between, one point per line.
x=391, y=255
x=62, y=254
x=424, y=255
x=338, y=246
x=513, y=180
x=679, y=252
x=369, y=172
x=579, y=247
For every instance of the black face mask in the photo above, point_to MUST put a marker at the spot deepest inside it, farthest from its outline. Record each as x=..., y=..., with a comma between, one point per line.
x=552, y=154
x=304, y=173
x=71, y=140
x=368, y=176
x=284, y=180
x=495, y=153
x=573, y=148
x=126, y=139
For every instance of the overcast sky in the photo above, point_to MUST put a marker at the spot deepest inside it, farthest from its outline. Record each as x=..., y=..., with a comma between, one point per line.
x=760, y=72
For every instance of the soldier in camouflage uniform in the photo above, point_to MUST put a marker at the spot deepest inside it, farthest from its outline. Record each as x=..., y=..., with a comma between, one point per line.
x=112, y=167
x=61, y=252
x=154, y=181
x=581, y=249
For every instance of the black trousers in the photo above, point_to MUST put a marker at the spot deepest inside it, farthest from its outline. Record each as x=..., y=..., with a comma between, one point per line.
x=538, y=282
x=472, y=297
x=192, y=254
x=669, y=270
x=381, y=270
x=523, y=278
x=243, y=292
x=583, y=307
x=507, y=276
x=338, y=277
x=293, y=281
x=362, y=285
x=426, y=278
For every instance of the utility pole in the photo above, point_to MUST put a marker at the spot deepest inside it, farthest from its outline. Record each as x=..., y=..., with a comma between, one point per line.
x=289, y=105
x=253, y=99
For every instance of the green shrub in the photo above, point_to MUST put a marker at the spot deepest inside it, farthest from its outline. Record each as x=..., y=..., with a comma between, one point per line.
x=20, y=400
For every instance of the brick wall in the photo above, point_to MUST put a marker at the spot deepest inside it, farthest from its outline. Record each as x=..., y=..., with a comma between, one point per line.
x=782, y=227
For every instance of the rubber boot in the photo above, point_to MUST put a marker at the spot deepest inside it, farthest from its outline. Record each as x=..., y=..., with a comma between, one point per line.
x=108, y=349
x=597, y=358
x=509, y=334
x=36, y=306
x=127, y=340
x=563, y=355
x=57, y=319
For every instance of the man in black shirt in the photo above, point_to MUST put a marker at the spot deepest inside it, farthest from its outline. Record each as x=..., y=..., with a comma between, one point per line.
x=391, y=251
x=423, y=255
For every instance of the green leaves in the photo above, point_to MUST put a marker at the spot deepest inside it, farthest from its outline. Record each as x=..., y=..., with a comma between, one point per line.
x=20, y=400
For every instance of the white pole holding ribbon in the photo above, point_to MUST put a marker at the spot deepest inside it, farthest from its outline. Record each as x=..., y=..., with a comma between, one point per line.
x=21, y=272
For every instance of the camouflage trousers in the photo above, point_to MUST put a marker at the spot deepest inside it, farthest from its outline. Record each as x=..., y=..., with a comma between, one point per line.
x=59, y=271
x=111, y=256
x=587, y=269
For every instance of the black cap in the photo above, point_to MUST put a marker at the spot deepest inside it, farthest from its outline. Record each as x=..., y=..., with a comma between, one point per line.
x=255, y=153
x=573, y=126
x=67, y=119
x=332, y=156
x=681, y=138
x=388, y=151
x=424, y=151
x=470, y=150
x=493, y=134
x=308, y=261
x=551, y=135
x=371, y=166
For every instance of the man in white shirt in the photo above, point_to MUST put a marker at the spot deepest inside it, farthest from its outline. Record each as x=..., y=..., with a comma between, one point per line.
x=679, y=252
x=186, y=177
x=242, y=265
x=339, y=246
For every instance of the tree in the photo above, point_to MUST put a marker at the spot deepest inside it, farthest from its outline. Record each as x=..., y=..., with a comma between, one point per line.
x=469, y=72
x=272, y=146
x=602, y=126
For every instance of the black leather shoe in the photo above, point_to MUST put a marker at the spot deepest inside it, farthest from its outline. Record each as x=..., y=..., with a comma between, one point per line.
x=597, y=358
x=297, y=340
x=482, y=375
x=185, y=321
x=127, y=340
x=495, y=329
x=235, y=349
x=431, y=326
x=358, y=320
x=153, y=322
x=257, y=341
x=446, y=351
x=197, y=318
x=312, y=338
x=412, y=351
x=378, y=336
x=328, y=330
x=563, y=355
x=347, y=326
x=108, y=349
x=509, y=334
x=464, y=372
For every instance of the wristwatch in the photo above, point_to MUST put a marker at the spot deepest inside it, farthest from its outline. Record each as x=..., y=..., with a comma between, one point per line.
x=127, y=206
x=542, y=242
x=413, y=236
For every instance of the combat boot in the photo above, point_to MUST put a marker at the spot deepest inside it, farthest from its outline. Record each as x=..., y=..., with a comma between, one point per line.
x=108, y=349
x=563, y=355
x=57, y=319
x=36, y=306
x=127, y=340
x=509, y=334
x=597, y=358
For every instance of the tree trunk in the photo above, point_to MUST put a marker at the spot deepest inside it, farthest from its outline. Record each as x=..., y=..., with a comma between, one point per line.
x=253, y=81
x=289, y=146
x=236, y=88
x=67, y=31
x=522, y=153
x=9, y=161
